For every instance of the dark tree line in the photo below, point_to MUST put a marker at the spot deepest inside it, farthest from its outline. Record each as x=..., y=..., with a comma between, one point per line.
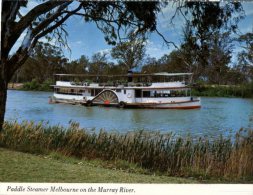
x=47, y=60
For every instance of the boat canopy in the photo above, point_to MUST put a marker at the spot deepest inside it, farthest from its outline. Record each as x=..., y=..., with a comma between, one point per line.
x=124, y=75
x=171, y=74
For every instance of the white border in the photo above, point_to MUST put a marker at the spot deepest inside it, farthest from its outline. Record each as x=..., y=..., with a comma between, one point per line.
x=136, y=189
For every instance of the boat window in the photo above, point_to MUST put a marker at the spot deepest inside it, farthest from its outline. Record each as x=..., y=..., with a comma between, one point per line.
x=68, y=91
x=146, y=93
x=162, y=93
x=178, y=93
x=94, y=92
x=118, y=90
x=97, y=91
x=124, y=91
x=138, y=93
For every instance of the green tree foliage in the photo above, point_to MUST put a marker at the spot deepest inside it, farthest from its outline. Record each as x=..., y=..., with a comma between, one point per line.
x=167, y=63
x=78, y=66
x=220, y=54
x=174, y=62
x=207, y=43
x=245, y=57
x=99, y=64
x=45, y=61
x=151, y=65
x=188, y=50
x=131, y=52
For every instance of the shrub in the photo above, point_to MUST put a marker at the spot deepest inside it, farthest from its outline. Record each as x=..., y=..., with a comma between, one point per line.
x=244, y=91
x=34, y=85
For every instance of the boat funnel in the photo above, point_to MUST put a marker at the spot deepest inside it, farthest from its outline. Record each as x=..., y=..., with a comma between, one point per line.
x=130, y=76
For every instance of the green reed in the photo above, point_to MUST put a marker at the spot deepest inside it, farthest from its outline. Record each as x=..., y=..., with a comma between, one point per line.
x=164, y=153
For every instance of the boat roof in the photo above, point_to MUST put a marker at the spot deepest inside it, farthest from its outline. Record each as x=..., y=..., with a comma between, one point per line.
x=170, y=74
x=125, y=75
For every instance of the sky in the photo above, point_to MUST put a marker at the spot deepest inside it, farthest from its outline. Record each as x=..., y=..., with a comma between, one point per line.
x=85, y=39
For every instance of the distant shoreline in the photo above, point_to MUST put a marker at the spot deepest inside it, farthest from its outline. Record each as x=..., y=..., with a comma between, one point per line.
x=15, y=86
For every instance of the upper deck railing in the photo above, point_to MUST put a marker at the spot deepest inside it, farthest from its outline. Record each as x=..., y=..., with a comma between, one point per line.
x=130, y=78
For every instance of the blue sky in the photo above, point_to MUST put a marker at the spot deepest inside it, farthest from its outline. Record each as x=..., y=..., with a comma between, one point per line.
x=86, y=39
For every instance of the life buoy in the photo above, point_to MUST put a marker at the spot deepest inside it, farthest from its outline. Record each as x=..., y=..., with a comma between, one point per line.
x=129, y=95
x=122, y=104
x=89, y=103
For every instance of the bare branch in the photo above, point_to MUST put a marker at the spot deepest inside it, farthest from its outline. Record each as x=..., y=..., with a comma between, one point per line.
x=24, y=52
x=165, y=40
x=49, y=20
x=34, y=13
x=171, y=42
x=18, y=28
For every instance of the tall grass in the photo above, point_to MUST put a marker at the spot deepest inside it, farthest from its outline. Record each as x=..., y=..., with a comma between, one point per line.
x=164, y=153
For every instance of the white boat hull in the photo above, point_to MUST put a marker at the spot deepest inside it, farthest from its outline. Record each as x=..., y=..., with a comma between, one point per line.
x=175, y=105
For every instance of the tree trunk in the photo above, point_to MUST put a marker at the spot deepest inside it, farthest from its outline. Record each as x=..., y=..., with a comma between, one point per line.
x=3, y=98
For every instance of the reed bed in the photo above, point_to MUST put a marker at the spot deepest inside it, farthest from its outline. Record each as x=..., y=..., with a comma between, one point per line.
x=222, y=157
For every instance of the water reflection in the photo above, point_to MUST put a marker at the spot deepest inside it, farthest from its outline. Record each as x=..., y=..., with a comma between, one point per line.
x=217, y=115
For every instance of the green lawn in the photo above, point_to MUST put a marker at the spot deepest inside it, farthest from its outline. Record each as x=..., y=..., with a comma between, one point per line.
x=23, y=167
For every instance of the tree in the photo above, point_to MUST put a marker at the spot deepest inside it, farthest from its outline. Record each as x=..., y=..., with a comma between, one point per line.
x=172, y=62
x=98, y=64
x=48, y=17
x=188, y=50
x=220, y=55
x=207, y=24
x=151, y=65
x=245, y=57
x=77, y=66
x=44, y=61
x=131, y=52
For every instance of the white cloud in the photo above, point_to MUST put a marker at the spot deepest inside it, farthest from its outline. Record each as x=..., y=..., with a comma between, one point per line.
x=45, y=40
x=107, y=53
x=78, y=42
x=157, y=50
x=104, y=51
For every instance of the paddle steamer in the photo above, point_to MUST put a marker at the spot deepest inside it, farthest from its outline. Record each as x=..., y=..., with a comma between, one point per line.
x=157, y=90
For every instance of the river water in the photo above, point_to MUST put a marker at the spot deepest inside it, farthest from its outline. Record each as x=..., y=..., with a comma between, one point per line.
x=217, y=115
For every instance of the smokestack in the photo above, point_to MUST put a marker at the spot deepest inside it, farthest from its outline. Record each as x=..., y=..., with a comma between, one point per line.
x=130, y=76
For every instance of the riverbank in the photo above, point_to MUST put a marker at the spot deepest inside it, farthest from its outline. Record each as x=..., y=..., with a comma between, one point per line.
x=242, y=91
x=15, y=86
x=220, y=159
x=23, y=167
x=34, y=85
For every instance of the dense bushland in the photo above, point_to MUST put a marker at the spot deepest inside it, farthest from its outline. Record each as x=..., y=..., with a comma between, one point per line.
x=34, y=85
x=244, y=91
